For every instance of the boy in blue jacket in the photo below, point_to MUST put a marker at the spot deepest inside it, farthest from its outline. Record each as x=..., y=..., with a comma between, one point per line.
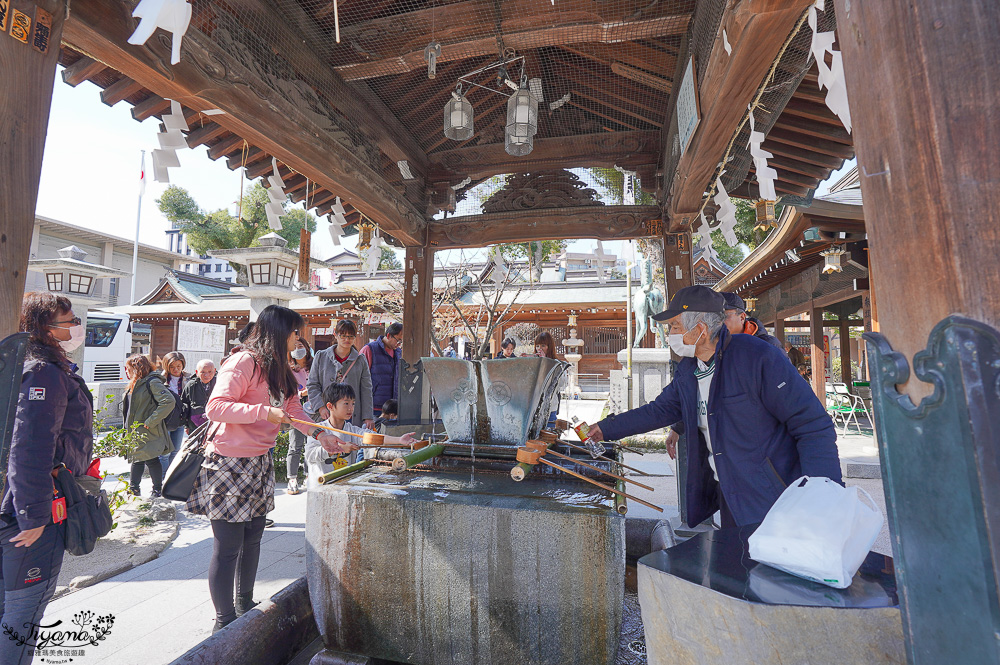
x=754, y=425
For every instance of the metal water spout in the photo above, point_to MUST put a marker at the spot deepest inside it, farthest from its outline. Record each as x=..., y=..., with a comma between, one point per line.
x=493, y=402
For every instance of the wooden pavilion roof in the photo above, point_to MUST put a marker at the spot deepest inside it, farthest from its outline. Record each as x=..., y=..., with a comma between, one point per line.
x=339, y=116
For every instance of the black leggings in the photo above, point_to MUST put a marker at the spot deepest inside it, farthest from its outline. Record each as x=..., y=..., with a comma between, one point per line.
x=237, y=546
x=155, y=472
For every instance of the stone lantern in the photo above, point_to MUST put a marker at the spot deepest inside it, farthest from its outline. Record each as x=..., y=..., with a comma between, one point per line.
x=271, y=269
x=71, y=275
x=572, y=356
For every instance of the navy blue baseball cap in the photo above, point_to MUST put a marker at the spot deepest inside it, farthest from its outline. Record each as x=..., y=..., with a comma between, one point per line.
x=692, y=299
x=733, y=301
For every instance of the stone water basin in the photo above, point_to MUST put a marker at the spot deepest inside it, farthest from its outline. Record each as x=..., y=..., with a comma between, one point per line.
x=447, y=567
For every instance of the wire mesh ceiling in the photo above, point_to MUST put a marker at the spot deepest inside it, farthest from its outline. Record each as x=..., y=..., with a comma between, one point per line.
x=601, y=65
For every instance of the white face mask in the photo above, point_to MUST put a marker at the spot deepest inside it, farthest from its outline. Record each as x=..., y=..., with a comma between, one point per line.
x=76, y=336
x=299, y=354
x=678, y=346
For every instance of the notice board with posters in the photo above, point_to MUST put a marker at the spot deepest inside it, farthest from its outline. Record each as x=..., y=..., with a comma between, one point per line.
x=201, y=340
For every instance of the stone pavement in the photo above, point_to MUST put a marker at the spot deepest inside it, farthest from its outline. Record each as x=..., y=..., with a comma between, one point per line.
x=162, y=608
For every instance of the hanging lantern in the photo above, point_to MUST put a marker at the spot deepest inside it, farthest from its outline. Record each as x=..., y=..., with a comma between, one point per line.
x=522, y=123
x=365, y=230
x=765, y=215
x=834, y=259
x=751, y=303
x=458, y=116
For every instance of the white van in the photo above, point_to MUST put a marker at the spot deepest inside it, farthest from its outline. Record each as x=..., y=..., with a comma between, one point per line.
x=108, y=343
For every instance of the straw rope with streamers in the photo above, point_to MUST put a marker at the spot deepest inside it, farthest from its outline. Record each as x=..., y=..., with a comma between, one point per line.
x=243, y=171
x=753, y=106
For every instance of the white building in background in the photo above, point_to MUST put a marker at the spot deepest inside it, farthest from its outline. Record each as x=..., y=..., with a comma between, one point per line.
x=50, y=235
x=206, y=266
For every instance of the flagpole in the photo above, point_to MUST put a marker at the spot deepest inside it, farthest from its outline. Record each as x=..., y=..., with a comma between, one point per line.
x=138, y=216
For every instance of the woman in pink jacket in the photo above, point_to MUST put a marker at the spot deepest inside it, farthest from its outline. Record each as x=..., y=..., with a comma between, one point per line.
x=254, y=394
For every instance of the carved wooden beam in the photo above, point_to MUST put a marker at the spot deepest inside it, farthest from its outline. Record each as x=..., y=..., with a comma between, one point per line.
x=285, y=28
x=626, y=149
x=280, y=115
x=466, y=30
x=756, y=32
x=599, y=222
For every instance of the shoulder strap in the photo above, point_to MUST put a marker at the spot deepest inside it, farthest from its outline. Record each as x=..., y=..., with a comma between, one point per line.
x=343, y=375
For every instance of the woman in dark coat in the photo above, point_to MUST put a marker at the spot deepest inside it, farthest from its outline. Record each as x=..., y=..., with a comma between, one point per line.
x=54, y=425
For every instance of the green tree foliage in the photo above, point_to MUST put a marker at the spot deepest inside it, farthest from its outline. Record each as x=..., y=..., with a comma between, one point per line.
x=206, y=231
x=389, y=260
x=611, y=187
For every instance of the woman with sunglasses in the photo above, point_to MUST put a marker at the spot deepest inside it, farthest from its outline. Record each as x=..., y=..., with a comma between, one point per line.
x=255, y=393
x=54, y=424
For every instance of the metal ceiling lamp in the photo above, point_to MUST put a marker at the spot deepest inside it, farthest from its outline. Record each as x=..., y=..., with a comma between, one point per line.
x=834, y=258
x=522, y=121
x=765, y=215
x=458, y=116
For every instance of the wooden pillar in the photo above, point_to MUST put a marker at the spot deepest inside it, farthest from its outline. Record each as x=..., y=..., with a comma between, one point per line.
x=417, y=302
x=927, y=156
x=677, y=268
x=818, y=356
x=779, y=330
x=924, y=95
x=845, y=352
x=28, y=59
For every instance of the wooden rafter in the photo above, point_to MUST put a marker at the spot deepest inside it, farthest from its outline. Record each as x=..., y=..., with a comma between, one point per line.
x=627, y=149
x=756, y=33
x=279, y=126
x=601, y=222
x=530, y=24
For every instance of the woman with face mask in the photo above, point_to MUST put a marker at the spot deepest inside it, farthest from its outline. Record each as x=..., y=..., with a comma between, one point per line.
x=53, y=425
x=301, y=361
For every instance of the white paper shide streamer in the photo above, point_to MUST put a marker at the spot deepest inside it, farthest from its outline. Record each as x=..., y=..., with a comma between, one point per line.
x=174, y=16
x=275, y=206
x=726, y=214
x=370, y=257
x=171, y=140
x=499, y=267
x=765, y=174
x=830, y=77
x=599, y=258
x=337, y=222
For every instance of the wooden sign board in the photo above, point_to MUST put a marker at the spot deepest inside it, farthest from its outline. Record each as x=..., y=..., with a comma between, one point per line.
x=688, y=110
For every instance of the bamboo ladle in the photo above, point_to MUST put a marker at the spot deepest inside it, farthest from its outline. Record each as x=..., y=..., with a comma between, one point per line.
x=368, y=439
x=534, y=456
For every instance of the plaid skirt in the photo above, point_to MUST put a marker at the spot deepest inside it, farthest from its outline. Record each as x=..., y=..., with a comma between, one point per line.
x=233, y=489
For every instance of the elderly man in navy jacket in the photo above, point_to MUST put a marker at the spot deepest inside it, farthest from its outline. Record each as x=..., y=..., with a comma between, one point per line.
x=754, y=424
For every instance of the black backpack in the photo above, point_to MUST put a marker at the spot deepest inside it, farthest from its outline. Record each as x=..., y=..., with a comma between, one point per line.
x=176, y=417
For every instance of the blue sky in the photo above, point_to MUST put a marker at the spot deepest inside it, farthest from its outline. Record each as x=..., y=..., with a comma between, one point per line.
x=90, y=172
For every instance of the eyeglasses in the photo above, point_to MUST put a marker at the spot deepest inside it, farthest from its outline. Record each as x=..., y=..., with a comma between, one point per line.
x=346, y=335
x=75, y=321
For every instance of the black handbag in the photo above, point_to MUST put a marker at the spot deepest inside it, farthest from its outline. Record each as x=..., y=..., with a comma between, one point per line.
x=179, y=480
x=88, y=515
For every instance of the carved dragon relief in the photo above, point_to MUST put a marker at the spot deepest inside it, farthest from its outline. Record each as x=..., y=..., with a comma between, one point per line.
x=545, y=189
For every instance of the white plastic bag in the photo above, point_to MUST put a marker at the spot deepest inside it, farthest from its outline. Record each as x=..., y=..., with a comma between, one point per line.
x=818, y=530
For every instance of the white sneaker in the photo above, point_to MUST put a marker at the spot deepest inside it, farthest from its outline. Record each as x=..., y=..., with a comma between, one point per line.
x=294, y=487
